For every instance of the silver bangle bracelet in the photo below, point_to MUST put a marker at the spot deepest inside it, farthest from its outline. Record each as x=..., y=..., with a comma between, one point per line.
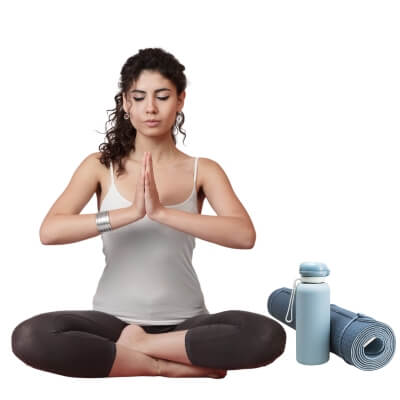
x=103, y=221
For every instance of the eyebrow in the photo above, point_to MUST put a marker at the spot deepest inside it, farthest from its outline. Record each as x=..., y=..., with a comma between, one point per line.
x=156, y=91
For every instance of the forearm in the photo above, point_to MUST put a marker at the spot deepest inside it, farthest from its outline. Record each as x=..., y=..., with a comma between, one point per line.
x=63, y=229
x=231, y=232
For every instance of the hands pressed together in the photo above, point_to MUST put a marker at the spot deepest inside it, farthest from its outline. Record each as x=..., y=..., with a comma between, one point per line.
x=146, y=199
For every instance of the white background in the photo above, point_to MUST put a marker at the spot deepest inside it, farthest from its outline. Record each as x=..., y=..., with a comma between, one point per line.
x=297, y=101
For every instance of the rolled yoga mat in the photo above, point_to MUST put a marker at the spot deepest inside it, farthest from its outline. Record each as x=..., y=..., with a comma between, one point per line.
x=358, y=339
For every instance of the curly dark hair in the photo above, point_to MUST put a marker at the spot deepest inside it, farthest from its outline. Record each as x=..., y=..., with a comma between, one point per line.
x=121, y=136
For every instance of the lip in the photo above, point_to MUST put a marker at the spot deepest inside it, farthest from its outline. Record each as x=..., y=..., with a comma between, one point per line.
x=152, y=122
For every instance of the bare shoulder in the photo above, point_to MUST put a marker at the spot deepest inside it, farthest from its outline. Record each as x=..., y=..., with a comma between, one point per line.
x=94, y=159
x=209, y=166
x=95, y=156
x=90, y=163
x=210, y=171
x=208, y=162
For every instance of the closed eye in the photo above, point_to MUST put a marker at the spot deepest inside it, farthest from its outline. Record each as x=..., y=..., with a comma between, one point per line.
x=160, y=98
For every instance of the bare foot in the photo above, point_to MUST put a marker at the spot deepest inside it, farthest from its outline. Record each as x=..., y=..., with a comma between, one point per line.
x=132, y=336
x=177, y=370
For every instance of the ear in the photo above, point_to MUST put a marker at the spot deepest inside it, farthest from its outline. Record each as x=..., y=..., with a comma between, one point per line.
x=181, y=100
x=125, y=104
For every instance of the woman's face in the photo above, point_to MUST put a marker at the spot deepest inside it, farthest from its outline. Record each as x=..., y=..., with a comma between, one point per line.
x=146, y=101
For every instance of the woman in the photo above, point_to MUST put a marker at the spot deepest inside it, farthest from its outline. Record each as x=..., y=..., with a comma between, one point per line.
x=149, y=317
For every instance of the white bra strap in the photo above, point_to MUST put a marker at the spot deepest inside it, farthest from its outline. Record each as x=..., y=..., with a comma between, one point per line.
x=111, y=172
x=195, y=169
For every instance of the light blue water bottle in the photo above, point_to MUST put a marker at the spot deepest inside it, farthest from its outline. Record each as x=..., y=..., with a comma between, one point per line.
x=312, y=305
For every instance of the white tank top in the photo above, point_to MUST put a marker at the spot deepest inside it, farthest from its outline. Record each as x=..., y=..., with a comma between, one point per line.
x=149, y=278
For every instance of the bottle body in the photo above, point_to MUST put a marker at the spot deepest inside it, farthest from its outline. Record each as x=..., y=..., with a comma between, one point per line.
x=312, y=323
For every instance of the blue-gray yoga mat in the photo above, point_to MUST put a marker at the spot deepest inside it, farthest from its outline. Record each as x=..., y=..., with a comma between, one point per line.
x=358, y=339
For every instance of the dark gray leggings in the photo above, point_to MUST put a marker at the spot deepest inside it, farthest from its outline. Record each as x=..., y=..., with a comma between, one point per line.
x=82, y=343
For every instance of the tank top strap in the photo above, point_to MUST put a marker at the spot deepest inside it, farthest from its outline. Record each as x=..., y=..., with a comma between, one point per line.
x=195, y=170
x=111, y=173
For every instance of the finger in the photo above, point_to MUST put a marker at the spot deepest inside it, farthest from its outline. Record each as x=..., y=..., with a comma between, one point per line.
x=148, y=186
x=149, y=178
x=151, y=168
x=142, y=172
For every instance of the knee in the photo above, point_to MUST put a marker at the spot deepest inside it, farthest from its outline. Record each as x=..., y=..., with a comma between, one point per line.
x=271, y=342
x=25, y=342
x=266, y=338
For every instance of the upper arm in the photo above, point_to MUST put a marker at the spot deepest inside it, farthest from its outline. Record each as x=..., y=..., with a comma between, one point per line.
x=219, y=192
x=83, y=184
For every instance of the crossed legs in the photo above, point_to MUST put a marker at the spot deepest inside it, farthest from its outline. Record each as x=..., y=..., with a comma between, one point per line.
x=232, y=339
x=95, y=344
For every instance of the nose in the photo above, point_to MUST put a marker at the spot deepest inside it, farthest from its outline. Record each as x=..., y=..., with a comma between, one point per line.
x=150, y=105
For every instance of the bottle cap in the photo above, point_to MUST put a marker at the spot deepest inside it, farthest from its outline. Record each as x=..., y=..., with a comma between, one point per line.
x=311, y=272
x=313, y=269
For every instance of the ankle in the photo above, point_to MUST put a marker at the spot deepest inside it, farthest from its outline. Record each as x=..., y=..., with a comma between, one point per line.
x=162, y=367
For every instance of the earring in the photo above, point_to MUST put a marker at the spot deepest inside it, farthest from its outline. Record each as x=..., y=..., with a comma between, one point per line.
x=175, y=126
x=126, y=116
x=179, y=114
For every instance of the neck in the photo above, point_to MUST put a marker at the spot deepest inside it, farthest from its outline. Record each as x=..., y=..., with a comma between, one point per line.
x=162, y=148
